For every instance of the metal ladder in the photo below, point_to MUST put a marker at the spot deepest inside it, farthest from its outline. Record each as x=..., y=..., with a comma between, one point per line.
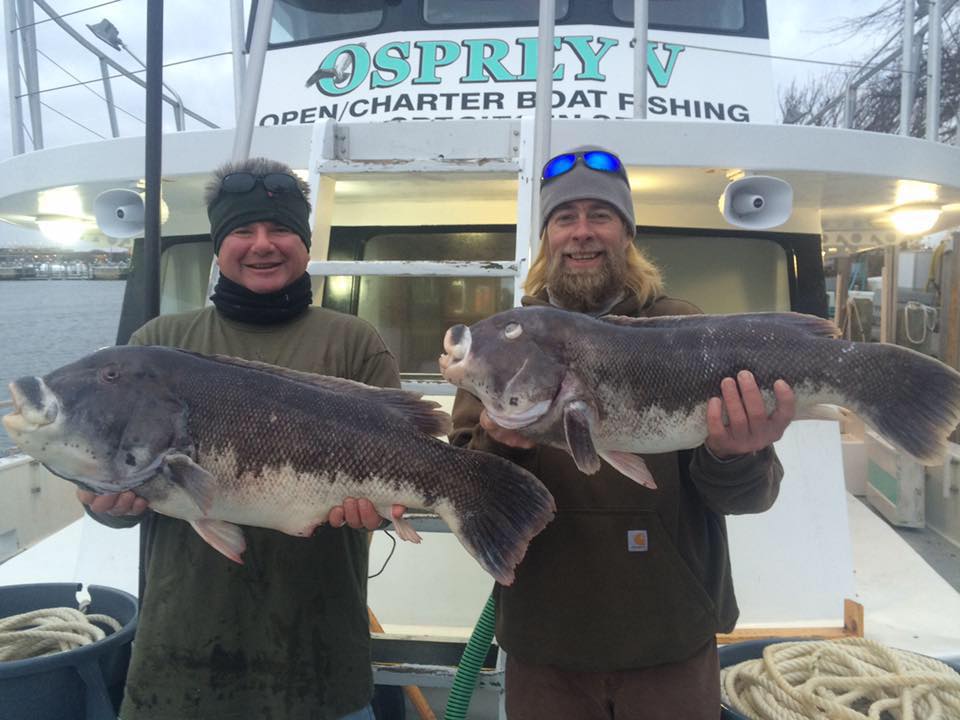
x=338, y=150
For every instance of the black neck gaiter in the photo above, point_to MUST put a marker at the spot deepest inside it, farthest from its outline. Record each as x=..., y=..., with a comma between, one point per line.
x=238, y=303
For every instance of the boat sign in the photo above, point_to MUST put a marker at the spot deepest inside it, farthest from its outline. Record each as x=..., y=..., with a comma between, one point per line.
x=491, y=73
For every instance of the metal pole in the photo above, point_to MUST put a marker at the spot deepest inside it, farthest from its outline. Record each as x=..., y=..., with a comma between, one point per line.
x=178, y=103
x=849, y=102
x=239, y=64
x=906, y=68
x=13, y=78
x=840, y=292
x=951, y=316
x=30, y=70
x=933, y=70
x=243, y=136
x=108, y=94
x=542, y=112
x=888, y=295
x=153, y=138
x=641, y=22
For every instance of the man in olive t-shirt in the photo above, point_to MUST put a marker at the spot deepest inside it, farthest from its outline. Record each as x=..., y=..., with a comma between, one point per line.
x=285, y=634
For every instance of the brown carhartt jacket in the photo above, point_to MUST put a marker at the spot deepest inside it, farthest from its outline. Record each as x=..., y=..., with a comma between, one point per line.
x=624, y=577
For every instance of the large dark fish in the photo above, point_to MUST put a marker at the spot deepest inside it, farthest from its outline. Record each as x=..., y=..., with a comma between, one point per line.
x=611, y=387
x=222, y=442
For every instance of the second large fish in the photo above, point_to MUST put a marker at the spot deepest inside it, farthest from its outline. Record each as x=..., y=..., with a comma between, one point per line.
x=221, y=442
x=616, y=386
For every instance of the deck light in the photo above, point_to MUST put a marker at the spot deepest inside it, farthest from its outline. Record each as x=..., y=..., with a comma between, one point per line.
x=108, y=33
x=915, y=218
x=64, y=232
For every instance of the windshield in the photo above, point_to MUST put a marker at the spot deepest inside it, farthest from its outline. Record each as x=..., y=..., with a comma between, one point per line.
x=693, y=14
x=300, y=21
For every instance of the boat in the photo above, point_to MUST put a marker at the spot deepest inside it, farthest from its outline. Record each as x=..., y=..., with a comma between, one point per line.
x=109, y=271
x=422, y=139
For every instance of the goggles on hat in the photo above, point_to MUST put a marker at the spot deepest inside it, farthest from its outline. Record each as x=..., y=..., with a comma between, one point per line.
x=599, y=160
x=244, y=182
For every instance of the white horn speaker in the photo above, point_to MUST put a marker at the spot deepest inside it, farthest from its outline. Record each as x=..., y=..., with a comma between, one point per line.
x=119, y=213
x=757, y=202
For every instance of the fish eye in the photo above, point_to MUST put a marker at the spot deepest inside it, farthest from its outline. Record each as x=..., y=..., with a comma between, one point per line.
x=512, y=330
x=109, y=374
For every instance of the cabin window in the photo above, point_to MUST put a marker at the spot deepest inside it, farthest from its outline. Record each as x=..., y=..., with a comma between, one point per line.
x=413, y=313
x=746, y=274
x=297, y=20
x=185, y=276
x=698, y=14
x=458, y=12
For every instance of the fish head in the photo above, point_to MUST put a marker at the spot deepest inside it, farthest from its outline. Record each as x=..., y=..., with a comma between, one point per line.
x=104, y=422
x=506, y=361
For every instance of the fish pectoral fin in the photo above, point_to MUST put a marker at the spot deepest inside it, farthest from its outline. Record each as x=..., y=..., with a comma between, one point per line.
x=405, y=530
x=195, y=481
x=630, y=465
x=577, y=419
x=222, y=536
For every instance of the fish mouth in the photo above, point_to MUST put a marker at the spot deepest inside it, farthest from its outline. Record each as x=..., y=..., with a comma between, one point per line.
x=33, y=406
x=516, y=421
x=456, y=348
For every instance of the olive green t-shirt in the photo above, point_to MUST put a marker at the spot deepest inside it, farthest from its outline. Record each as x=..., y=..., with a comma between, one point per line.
x=286, y=634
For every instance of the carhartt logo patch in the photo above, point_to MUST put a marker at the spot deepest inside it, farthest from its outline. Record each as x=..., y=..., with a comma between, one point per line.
x=637, y=540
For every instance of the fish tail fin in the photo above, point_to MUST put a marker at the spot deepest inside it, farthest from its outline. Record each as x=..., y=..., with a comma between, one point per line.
x=914, y=403
x=498, y=522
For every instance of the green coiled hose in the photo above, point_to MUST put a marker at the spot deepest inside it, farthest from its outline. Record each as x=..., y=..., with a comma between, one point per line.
x=474, y=654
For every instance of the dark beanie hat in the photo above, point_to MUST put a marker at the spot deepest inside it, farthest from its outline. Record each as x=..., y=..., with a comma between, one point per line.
x=228, y=211
x=583, y=183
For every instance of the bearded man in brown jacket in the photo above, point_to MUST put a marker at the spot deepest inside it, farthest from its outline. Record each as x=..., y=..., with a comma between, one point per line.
x=616, y=606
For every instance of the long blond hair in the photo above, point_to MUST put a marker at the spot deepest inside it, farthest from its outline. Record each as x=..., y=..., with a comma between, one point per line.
x=643, y=278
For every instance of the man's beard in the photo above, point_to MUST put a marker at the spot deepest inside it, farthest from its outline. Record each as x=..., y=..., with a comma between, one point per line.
x=587, y=290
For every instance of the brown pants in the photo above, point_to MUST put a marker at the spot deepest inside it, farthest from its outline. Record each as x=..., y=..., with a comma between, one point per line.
x=688, y=690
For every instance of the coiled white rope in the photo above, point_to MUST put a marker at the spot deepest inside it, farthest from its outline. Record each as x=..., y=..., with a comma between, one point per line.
x=50, y=630
x=848, y=679
x=928, y=320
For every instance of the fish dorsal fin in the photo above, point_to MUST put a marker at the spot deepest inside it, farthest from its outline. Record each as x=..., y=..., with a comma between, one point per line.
x=425, y=415
x=811, y=324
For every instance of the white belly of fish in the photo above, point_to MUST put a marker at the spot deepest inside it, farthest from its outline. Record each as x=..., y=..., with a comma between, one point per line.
x=279, y=498
x=654, y=430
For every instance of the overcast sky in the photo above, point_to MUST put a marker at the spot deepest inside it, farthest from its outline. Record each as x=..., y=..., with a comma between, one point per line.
x=797, y=29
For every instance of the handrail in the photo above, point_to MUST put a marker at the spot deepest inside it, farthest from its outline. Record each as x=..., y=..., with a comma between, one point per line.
x=870, y=69
x=113, y=63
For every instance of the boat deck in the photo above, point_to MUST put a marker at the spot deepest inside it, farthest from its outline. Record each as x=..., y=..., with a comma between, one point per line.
x=907, y=604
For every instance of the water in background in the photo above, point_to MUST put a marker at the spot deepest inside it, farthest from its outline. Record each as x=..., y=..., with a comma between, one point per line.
x=48, y=323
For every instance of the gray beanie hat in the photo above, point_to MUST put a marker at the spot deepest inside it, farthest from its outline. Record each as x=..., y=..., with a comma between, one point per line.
x=583, y=183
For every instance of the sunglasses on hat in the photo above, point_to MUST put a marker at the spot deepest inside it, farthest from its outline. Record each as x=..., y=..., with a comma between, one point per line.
x=599, y=160
x=276, y=183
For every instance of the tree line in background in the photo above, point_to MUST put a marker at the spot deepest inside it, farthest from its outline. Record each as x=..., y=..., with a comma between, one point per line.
x=877, y=106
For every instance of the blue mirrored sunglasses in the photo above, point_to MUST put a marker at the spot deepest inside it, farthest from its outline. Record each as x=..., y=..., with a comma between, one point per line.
x=599, y=160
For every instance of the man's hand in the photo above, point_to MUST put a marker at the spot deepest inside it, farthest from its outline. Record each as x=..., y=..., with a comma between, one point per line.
x=360, y=514
x=750, y=428
x=502, y=435
x=125, y=503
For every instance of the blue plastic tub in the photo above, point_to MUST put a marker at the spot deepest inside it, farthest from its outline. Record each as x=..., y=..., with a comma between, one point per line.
x=81, y=684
